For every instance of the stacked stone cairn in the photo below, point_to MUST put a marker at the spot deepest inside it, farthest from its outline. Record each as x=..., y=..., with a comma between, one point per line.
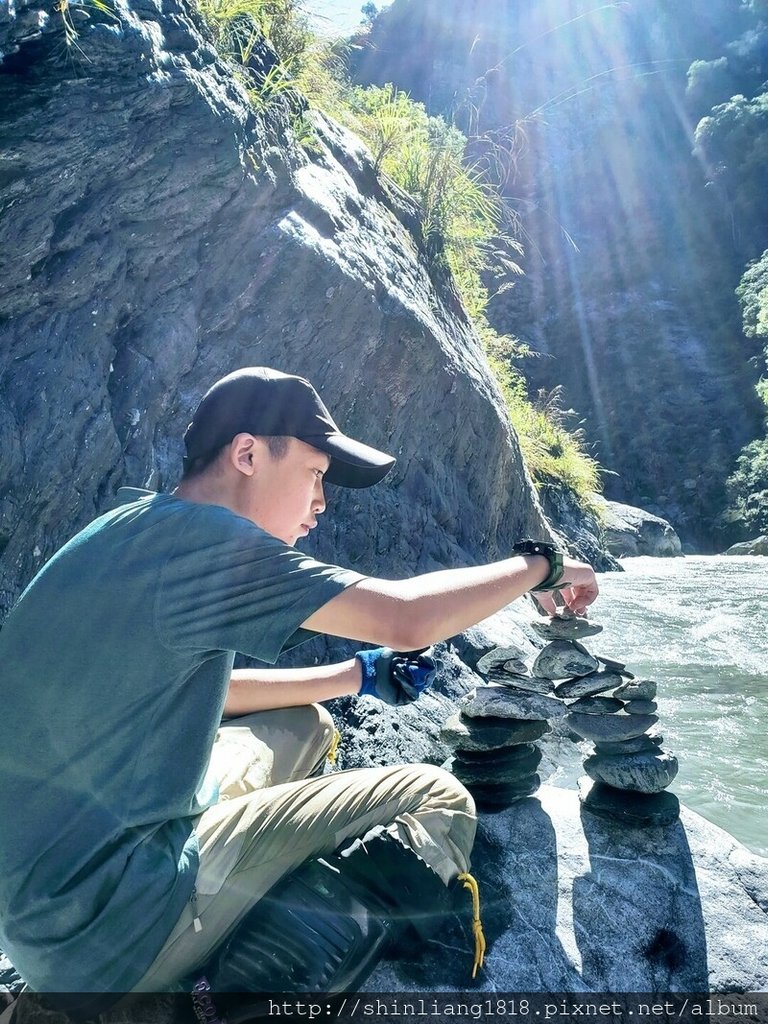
x=493, y=733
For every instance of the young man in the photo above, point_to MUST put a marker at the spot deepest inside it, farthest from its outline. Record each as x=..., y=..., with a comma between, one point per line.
x=137, y=828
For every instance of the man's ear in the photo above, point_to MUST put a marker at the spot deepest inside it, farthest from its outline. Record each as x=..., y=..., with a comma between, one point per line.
x=244, y=454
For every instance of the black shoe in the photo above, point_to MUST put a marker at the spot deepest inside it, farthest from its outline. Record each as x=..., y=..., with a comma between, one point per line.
x=312, y=932
x=411, y=892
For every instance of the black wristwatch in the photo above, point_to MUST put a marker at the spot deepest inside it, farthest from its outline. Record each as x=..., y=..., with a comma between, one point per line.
x=552, y=555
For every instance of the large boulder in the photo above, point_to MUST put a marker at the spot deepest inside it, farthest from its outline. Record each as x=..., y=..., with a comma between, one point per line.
x=156, y=233
x=758, y=546
x=571, y=902
x=631, y=531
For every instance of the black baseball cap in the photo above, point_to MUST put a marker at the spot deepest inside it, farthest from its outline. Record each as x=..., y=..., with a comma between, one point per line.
x=267, y=403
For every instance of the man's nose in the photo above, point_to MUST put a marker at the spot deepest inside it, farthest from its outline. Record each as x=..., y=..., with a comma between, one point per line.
x=318, y=499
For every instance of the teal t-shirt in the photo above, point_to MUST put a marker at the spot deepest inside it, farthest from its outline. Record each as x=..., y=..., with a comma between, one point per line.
x=114, y=669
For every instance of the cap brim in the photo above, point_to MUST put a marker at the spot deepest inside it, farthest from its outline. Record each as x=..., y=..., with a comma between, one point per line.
x=353, y=464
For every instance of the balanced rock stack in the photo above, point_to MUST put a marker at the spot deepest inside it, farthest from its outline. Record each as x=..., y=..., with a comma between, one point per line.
x=494, y=732
x=628, y=772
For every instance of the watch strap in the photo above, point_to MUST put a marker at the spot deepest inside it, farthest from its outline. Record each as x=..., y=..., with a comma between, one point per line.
x=552, y=554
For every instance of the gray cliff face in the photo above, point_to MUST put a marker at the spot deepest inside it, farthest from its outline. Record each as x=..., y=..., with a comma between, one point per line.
x=157, y=233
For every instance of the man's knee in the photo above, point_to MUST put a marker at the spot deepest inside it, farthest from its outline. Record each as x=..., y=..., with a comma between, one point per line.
x=455, y=793
x=439, y=787
x=317, y=725
x=322, y=727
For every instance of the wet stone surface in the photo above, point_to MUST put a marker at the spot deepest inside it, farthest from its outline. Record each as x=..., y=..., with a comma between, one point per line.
x=637, y=689
x=499, y=656
x=565, y=627
x=641, y=707
x=648, y=741
x=615, y=666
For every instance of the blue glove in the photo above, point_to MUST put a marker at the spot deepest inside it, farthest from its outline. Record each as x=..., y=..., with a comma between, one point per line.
x=396, y=677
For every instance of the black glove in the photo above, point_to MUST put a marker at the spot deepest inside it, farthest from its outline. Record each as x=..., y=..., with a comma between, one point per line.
x=396, y=677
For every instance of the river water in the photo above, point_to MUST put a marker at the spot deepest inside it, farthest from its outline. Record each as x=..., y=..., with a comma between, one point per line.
x=699, y=627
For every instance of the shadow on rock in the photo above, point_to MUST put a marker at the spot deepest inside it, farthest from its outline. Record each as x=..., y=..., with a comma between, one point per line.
x=515, y=863
x=637, y=913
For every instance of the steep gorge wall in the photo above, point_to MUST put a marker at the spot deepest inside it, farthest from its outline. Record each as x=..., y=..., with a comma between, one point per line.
x=631, y=258
x=156, y=233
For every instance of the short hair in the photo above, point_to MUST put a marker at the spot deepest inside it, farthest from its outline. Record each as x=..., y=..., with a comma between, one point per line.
x=276, y=446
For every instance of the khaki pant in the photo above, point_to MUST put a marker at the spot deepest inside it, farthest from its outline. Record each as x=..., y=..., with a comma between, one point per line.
x=271, y=818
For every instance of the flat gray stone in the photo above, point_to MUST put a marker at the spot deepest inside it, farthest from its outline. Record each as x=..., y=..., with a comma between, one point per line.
x=497, y=657
x=596, y=705
x=637, y=689
x=562, y=659
x=609, y=727
x=502, y=755
x=502, y=702
x=490, y=797
x=614, y=666
x=502, y=770
x=565, y=627
x=645, y=772
x=648, y=741
x=641, y=707
x=532, y=684
x=633, y=809
x=490, y=733
x=588, y=686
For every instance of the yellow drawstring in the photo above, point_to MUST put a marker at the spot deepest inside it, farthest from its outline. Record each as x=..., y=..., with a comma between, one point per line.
x=477, y=926
x=334, y=747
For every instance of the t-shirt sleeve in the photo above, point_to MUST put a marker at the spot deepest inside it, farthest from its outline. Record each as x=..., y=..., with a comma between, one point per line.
x=230, y=586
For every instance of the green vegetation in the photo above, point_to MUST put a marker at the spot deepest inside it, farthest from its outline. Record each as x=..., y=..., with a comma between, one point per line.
x=748, y=485
x=733, y=143
x=753, y=295
x=85, y=8
x=462, y=215
x=748, y=489
x=552, y=453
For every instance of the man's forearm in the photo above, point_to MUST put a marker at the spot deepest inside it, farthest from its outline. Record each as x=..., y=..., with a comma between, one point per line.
x=414, y=613
x=264, y=689
x=446, y=602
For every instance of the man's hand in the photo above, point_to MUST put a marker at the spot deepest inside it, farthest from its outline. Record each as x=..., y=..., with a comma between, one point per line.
x=395, y=677
x=578, y=588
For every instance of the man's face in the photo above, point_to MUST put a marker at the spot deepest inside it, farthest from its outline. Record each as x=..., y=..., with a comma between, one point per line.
x=287, y=493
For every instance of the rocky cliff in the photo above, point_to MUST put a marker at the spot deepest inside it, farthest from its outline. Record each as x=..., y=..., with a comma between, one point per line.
x=633, y=251
x=157, y=232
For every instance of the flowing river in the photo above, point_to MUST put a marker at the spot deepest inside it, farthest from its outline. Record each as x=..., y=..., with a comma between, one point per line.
x=699, y=627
